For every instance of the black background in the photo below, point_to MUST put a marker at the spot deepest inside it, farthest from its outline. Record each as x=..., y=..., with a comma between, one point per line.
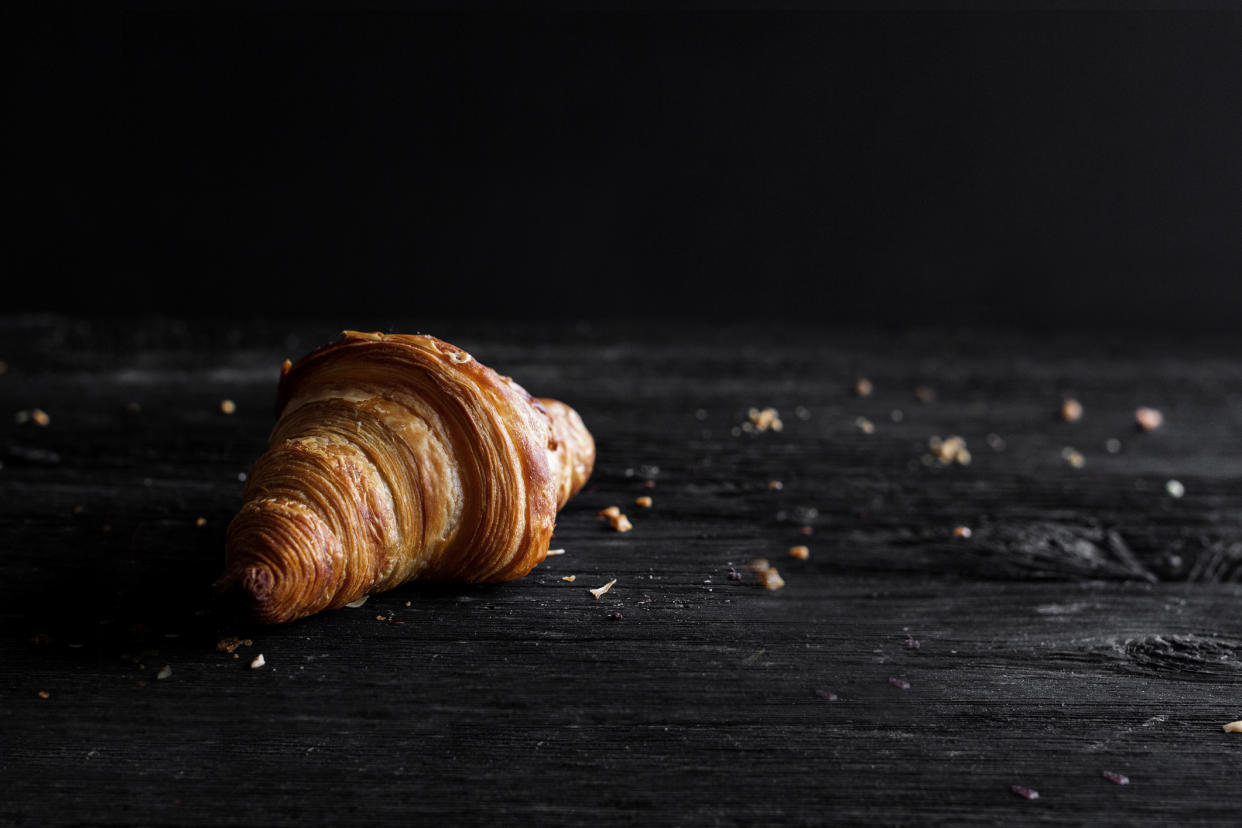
x=1038, y=169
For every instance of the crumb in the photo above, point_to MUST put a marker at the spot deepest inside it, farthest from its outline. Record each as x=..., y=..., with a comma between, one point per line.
x=570, y=578
x=1234, y=727
x=407, y=603
x=734, y=575
x=165, y=672
x=805, y=530
x=826, y=695
x=258, y=662
x=598, y=591
x=912, y=643
x=1115, y=778
x=759, y=565
x=802, y=412
x=201, y=522
x=615, y=616
x=1074, y=457
x=227, y=406
x=863, y=387
x=900, y=684
x=380, y=618
x=996, y=442
x=864, y=425
x=925, y=394
x=771, y=579
x=621, y=523
x=1175, y=488
x=228, y=645
x=43, y=694
x=241, y=476
x=765, y=419
x=1112, y=445
x=358, y=603
x=896, y=415
x=799, y=552
x=775, y=485
x=950, y=450
x=1148, y=419
x=551, y=552
x=40, y=418
x=611, y=512
x=1071, y=410
x=1024, y=792
x=643, y=501
x=961, y=532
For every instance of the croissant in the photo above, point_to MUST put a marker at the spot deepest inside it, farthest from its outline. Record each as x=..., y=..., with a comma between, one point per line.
x=397, y=457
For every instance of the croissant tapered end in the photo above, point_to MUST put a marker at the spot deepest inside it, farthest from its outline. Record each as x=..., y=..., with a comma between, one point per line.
x=397, y=457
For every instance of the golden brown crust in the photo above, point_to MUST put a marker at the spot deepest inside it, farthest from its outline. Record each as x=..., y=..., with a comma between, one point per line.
x=397, y=457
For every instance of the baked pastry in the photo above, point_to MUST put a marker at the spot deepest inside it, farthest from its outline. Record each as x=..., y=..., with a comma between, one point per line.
x=397, y=457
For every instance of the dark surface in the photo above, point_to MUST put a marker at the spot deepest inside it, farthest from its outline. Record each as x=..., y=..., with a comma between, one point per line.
x=1041, y=169
x=1091, y=623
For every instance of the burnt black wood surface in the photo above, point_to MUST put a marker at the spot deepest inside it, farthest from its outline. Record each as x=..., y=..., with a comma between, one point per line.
x=1091, y=623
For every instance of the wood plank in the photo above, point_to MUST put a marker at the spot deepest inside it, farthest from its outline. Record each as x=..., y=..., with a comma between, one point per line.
x=1089, y=623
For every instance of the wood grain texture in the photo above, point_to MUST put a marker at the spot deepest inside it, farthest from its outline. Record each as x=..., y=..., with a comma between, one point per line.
x=1091, y=621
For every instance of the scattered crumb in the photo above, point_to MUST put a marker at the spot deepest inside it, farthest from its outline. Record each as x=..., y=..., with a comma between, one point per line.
x=1234, y=727
x=1148, y=419
x=951, y=449
x=1074, y=457
x=380, y=618
x=771, y=579
x=598, y=591
x=900, y=684
x=165, y=672
x=826, y=695
x=765, y=419
x=912, y=643
x=615, y=616
x=358, y=603
x=621, y=523
x=643, y=501
x=799, y=552
x=407, y=603
x=227, y=406
x=241, y=476
x=611, y=512
x=200, y=521
x=802, y=412
x=805, y=530
x=925, y=394
x=961, y=532
x=258, y=662
x=38, y=416
x=759, y=565
x=1175, y=488
x=864, y=425
x=1071, y=410
x=896, y=415
x=551, y=552
x=229, y=645
x=996, y=442
x=1112, y=445
x=775, y=485
x=734, y=575
x=570, y=578
x=43, y=694
x=1115, y=778
x=1024, y=792
x=863, y=387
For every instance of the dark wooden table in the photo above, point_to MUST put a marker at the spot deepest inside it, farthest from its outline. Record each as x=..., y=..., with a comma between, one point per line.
x=1090, y=623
